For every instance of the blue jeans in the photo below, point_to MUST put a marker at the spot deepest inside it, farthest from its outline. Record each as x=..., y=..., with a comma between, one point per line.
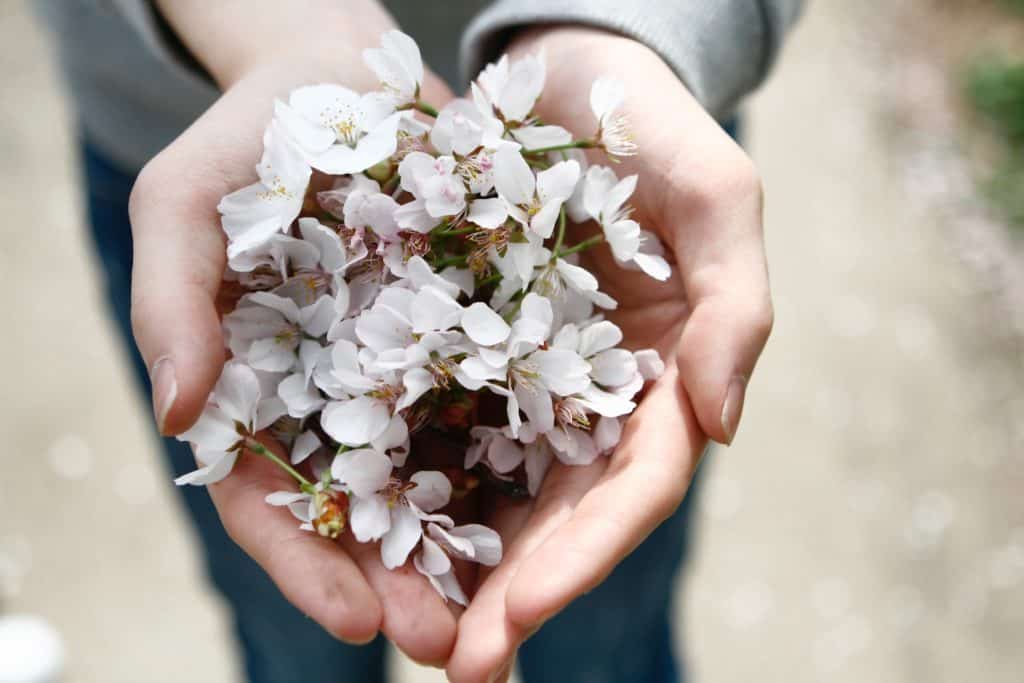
x=621, y=632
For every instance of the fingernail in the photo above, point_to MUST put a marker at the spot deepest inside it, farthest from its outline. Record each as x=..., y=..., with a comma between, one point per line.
x=165, y=389
x=732, y=408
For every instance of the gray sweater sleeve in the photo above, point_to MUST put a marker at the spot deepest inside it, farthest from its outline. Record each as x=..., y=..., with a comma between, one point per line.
x=721, y=49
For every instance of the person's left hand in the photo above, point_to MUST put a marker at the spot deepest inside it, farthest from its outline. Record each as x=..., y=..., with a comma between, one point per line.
x=701, y=195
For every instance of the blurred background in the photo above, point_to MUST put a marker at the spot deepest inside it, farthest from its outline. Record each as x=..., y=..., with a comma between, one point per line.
x=868, y=524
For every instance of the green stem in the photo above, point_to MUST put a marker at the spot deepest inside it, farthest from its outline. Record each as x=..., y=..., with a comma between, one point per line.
x=450, y=261
x=582, y=246
x=256, y=447
x=561, y=230
x=461, y=231
x=427, y=109
x=575, y=144
x=490, y=280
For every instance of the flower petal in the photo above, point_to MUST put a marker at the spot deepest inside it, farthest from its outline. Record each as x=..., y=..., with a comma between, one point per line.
x=483, y=325
x=401, y=538
x=370, y=518
x=432, y=491
x=355, y=422
x=364, y=470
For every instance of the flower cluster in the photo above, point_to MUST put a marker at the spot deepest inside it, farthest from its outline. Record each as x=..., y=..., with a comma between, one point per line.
x=409, y=296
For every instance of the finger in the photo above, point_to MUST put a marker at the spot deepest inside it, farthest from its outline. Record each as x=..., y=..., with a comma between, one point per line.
x=722, y=263
x=488, y=638
x=646, y=479
x=313, y=573
x=415, y=617
x=179, y=253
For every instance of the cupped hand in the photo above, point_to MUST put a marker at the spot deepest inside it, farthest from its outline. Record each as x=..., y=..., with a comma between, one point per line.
x=179, y=260
x=701, y=195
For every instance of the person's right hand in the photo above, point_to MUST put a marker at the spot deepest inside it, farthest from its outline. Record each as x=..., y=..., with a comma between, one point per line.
x=179, y=259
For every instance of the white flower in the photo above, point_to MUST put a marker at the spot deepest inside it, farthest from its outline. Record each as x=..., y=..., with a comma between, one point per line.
x=533, y=201
x=471, y=542
x=512, y=88
x=398, y=66
x=531, y=374
x=560, y=276
x=265, y=329
x=386, y=508
x=613, y=131
x=433, y=181
x=324, y=511
x=463, y=126
x=252, y=215
x=604, y=199
x=232, y=414
x=340, y=131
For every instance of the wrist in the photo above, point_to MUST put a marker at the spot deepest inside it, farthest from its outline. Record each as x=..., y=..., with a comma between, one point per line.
x=233, y=39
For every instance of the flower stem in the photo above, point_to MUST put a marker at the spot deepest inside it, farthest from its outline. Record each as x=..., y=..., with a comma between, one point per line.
x=575, y=144
x=582, y=246
x=425, y=108
x=459, y=231
x=450, y=261
x=561, y=230
x=256, y=447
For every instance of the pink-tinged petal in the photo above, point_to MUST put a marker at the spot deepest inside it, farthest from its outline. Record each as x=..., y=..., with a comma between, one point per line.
x=434, y=310
x=513, y=178
x=432, y=491
x=369, y=518
x=573, y=446
x=214, y=430
x=613, y=367
x=355, y=422
x=607, y=434
x=363, y=470
x=598, y=337
x=538, y=460
x=487, y=213
x=305, y=445
x=504, y=455
x=415, y=168
x=219, y=466
x=450, y=588
x=487, y=547
x=558, y=182
x=238, y=392
x=483, y=325
x=606, y=95
x=433, y=559
x=649, y=363
x=413, y=216
x=401, y=538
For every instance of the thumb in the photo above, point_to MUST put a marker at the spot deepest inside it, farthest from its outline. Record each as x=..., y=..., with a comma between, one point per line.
x=177, y=268
x=726, y=280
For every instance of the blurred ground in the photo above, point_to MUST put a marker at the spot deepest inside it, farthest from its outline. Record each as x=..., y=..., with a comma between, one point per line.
x=866, y=526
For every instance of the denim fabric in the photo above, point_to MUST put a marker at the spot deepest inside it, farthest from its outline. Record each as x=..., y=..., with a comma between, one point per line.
x=621, y=632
